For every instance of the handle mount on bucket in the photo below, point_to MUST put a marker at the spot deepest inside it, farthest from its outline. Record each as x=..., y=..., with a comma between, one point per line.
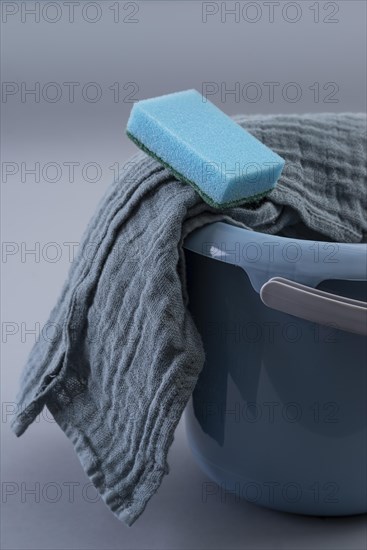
x=315, y=305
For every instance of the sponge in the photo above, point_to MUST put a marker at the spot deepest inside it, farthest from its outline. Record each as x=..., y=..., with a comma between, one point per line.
x=205, y=148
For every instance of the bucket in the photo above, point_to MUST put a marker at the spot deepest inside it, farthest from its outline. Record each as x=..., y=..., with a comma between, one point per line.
x=279, y=413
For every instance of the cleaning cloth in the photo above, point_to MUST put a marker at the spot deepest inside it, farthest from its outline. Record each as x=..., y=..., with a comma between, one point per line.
x=126, y=358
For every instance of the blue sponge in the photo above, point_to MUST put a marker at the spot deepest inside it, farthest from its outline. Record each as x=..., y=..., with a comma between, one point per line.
x=204, y=147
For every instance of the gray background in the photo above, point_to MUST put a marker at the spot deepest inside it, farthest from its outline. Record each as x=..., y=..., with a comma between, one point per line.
x=168, y=48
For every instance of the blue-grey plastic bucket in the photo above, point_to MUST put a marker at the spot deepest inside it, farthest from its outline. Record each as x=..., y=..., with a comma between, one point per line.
x=279, y=413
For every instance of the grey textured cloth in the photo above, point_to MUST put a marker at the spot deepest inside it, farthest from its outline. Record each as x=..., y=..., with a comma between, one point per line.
x=126, y=355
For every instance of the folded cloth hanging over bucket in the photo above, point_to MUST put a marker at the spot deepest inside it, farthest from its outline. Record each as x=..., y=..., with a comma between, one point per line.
x=126, y=357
